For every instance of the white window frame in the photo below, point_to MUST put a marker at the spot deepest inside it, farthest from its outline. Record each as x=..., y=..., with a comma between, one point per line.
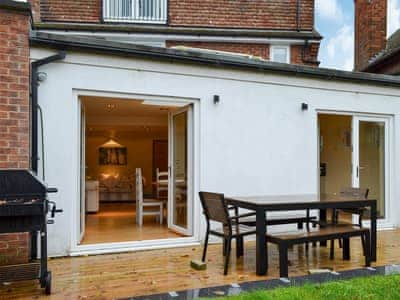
x=273, y=49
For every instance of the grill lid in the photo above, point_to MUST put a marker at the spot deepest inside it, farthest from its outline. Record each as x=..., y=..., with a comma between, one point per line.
x=21, y=185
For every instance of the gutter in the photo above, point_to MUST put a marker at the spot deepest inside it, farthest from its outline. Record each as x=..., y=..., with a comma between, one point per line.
x=168, y=54
x=35, y=106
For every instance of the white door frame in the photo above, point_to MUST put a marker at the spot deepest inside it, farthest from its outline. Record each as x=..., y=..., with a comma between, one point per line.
x=171, y=171
x=75, y=248
x=389, y=148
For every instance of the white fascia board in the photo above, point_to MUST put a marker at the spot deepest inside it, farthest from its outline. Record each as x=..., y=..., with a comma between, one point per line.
x=161, y=38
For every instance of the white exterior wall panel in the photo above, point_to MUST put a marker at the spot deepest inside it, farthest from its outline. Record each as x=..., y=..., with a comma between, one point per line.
x=257, y=140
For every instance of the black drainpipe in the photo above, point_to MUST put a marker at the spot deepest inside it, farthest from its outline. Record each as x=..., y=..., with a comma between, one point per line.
x=34, y=104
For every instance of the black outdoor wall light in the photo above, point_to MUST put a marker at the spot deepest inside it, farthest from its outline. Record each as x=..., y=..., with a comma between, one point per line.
x=304, y=106
x=216, y=99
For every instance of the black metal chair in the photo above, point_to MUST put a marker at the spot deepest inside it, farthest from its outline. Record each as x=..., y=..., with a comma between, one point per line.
x=215, y=209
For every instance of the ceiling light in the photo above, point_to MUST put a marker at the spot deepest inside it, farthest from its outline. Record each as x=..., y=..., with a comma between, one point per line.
x=111, y=144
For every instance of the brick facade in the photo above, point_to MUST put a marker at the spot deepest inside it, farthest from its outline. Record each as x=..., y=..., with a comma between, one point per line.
x=309, y=56
x=14, y=111
x=266, y=14
x=280, y=14
x=260, y=50
x=84, y=11
x=370, y=30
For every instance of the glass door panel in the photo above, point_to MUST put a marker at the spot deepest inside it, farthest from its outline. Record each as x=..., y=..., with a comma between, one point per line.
x=179, y=202
x=179, y=178
x=372, y=161
x=370, y=158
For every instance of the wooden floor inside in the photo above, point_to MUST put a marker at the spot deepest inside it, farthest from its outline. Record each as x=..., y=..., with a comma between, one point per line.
x=116, y=222
x=148, y=272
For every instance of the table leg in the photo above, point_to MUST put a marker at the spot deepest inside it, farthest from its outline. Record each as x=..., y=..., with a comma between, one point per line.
x=322, y=219
x=373, y=231
x=261, y=243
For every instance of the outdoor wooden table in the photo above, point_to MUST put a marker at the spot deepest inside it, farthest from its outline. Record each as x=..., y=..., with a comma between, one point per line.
x=263, y=204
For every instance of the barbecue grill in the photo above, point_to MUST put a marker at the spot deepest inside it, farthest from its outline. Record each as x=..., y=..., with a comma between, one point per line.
x=23, y=208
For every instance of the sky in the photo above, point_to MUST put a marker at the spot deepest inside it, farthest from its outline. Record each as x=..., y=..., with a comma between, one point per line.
x=335, y=22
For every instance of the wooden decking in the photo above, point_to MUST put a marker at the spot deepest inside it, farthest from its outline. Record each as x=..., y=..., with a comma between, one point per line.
x=149, y=272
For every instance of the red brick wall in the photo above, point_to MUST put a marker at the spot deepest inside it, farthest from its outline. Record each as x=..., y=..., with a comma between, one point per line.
x=261, y=50
x=14, y=248
x=14, y=90
x=14, y=112
x=35, y=4
x=279, y=14
x=310, y=55
x=85, y=11
x=370, y=30
x=267, y=14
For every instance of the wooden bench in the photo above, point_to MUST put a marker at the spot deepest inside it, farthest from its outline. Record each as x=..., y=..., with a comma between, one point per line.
x=285, y=240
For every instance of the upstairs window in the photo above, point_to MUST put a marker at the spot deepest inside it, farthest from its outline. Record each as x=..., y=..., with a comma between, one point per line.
x=280, y=54
x=135, y=11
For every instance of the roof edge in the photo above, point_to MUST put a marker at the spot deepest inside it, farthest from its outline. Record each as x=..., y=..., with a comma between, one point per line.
x=124, y=49
x=16, y=6
x=180, y=30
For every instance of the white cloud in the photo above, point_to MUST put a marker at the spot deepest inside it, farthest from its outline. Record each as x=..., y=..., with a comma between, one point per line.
x=393, y=16
x=340, y=49
x=329, y=9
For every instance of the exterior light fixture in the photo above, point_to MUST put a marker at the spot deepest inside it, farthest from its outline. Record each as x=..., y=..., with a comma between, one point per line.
x=304, y=106
x=216, y=99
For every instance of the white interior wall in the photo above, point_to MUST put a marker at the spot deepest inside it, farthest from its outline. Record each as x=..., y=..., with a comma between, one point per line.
x=256, y=141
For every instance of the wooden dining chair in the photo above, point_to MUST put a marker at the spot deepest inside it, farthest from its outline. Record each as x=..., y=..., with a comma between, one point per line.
x=359, y=193
x=215, y=209
x=146, y=207
x=350, y=192
x=161, y=184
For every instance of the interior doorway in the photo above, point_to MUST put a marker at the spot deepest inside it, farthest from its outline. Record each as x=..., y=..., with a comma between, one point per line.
x=118, y=138
x=353, y=152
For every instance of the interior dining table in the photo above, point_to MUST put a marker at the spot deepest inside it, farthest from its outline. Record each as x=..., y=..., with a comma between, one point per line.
x=273, y=203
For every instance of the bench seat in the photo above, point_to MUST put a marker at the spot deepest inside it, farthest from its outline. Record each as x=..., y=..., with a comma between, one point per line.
x=286, y=239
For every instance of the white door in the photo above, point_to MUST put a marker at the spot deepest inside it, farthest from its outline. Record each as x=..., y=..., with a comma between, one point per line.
x=82, y=205
x=180, y=171
x=370, y=159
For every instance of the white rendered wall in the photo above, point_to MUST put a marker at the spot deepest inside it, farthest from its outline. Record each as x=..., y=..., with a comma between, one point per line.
x=255, y=141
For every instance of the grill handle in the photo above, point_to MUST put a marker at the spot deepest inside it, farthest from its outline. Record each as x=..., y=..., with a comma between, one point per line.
x=52, y=190
x=54, y=209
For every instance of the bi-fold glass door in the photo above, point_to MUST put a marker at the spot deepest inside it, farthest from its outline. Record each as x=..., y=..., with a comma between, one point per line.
x=180, y=158
x=354, y=152
x=370, y=159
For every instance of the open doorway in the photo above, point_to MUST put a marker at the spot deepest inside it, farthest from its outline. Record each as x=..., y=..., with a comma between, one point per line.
x=135, y=170
x=353, y=152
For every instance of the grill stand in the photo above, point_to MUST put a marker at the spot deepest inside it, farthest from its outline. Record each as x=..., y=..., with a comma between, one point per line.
x=24, y=208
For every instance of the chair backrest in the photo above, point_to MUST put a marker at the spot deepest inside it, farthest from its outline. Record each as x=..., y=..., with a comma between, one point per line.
x=161, y=175
x=354, y=192
x=215, y=208
x=139, y=187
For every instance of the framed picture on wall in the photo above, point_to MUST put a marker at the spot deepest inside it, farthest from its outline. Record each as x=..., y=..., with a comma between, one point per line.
x=113, y=156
